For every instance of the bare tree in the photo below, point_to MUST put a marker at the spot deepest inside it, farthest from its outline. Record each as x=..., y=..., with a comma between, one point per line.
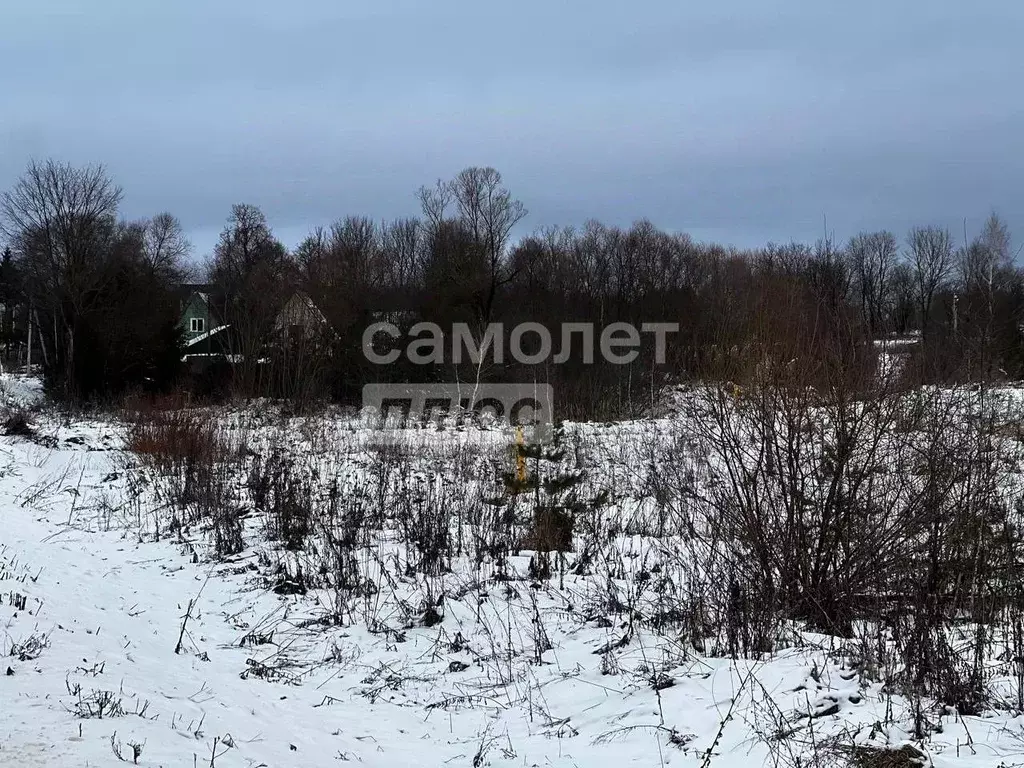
x=986, y=274
x=487, y=210
x=165, y=245
x=311, y=257
x=931, y=258
x=986, y=256
x=61, y=219
x=434, y=202
x=354, y=253
x=829, y=276
x=401, y=246
x=343, y=267
x=251, y=270
x=873, y=256
x=592, y=263
x=902, y=305
x=246, y=248
x=995, y=237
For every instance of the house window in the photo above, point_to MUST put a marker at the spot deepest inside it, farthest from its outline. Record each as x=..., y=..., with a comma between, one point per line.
x=198, y=324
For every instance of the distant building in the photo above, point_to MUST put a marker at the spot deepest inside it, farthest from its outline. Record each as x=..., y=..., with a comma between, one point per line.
x=300, y=319
x=205, y=335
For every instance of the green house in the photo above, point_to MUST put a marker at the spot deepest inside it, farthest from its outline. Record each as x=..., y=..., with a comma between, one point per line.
x=196, y=315
x=205, y=336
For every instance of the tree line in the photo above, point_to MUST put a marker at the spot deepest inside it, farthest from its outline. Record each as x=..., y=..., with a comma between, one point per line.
x=102, y=297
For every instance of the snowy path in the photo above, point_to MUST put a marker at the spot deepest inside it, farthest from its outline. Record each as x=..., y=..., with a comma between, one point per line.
x=111, y=612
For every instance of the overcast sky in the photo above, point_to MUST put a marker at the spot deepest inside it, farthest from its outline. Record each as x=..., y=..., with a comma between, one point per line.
x=738, y=121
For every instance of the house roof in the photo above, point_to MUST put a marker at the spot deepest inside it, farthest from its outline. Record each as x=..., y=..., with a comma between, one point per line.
x=210, y=294
x=184, y=291
x=301, y=309
x=205, y=335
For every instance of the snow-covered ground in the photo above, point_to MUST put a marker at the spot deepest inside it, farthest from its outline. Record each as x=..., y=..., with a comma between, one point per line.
x=115, y=641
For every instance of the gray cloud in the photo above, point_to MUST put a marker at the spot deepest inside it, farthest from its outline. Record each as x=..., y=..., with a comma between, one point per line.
x=743, y=123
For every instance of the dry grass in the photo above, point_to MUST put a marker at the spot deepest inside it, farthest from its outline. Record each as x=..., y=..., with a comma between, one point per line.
x=169, y=440
x=17, y=423
x=873, y=757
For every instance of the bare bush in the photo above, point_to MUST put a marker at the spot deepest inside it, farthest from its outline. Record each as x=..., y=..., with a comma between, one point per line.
x=425, y=513
x=194, y=468
x=285, y=495
x=17, y=423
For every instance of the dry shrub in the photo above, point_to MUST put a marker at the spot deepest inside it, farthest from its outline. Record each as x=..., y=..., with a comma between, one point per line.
x=425, y=508
x=174, y=440
x=194, y=465
x=17, y=423
x=874, y=757
x=285, y=495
